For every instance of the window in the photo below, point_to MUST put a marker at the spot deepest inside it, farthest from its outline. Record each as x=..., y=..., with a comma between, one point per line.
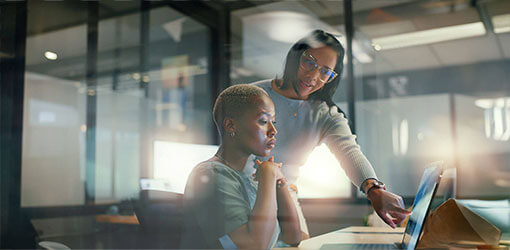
x=88, y=137
x=435, y=88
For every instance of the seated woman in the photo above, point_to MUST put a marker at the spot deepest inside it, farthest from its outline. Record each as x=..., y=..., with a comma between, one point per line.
x=224, y=208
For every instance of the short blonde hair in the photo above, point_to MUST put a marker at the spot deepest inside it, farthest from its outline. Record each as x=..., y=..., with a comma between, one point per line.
x=233, y=101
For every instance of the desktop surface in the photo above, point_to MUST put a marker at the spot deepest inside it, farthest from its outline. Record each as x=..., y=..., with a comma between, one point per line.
x=355, y=235
x=362, y=235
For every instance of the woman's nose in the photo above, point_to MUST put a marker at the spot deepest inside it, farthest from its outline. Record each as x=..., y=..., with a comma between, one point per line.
x=272, y=130
x=313, y=74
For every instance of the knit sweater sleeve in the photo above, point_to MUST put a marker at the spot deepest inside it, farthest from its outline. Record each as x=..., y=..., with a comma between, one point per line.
x=337, y=135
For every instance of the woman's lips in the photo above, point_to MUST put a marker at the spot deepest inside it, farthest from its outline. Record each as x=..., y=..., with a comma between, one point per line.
x=271, y=144
x=305, y=85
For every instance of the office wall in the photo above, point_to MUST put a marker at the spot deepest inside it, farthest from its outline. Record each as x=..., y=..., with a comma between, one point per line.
x=54, y=144
x=53, y=161
x=401, y=135
x=483, y=130
x=152, y=82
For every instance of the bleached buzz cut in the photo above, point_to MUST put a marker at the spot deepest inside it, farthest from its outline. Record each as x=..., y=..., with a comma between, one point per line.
x=234, y=101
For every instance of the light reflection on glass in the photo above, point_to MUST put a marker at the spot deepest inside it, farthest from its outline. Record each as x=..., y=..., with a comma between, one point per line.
x=496, y=117
x=322, y=176
x=174, y=161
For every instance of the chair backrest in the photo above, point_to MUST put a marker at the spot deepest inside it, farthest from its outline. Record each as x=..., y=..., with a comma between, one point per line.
x=160, y=219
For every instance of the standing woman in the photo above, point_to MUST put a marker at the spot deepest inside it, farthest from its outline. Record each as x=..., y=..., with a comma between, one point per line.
x=308, y=117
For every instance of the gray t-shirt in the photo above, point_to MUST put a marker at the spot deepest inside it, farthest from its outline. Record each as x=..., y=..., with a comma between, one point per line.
x=304, y=124
x=217, y=200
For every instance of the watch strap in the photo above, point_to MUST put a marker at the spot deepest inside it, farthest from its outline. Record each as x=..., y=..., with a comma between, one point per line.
x=373, y=187
x=364, y=183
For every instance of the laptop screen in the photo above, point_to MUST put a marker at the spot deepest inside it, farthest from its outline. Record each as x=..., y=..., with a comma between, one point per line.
x=421, y=205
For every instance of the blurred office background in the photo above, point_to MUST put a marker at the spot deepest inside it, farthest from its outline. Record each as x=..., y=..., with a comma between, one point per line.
x=106, y=105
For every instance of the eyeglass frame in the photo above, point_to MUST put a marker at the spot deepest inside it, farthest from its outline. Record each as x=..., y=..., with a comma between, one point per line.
x=305, y=54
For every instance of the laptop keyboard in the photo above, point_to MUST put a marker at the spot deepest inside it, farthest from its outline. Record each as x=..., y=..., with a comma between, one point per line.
x=373, y=246
x=357, y=246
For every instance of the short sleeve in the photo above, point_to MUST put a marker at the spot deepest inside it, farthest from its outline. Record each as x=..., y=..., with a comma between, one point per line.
x=233, y=200
x=338, y=137
x=217, y=202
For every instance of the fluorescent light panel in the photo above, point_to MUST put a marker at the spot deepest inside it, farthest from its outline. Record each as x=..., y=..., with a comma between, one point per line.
x=429, y=36
x=501, y=23
x=357, y=51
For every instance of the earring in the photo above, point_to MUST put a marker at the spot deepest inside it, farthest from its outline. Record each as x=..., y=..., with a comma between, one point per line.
x=233, y=134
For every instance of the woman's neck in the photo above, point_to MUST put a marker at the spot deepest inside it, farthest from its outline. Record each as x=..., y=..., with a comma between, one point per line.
x=232, y=157
x=288, y=92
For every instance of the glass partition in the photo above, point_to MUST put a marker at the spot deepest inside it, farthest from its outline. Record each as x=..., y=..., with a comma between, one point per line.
x=152, y=82
x=53, y=163
x=435, y=88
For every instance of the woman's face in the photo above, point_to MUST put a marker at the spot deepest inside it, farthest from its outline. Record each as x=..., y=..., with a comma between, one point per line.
x=256, y=132
x=310, y=81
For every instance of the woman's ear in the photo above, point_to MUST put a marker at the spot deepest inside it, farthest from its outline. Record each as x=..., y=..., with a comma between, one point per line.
x=229, y=124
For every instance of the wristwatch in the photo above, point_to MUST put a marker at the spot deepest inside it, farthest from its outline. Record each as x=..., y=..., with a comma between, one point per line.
x=376, y=184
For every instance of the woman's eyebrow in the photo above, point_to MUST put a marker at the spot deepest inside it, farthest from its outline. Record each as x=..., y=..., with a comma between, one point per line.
x=267, y=113
x=324, y=66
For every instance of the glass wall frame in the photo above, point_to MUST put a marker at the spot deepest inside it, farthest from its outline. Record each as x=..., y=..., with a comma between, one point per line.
x=436, y=67
x=217, y=18
x=94, y=14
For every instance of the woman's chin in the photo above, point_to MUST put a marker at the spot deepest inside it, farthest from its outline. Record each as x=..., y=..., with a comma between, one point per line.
x=264, y=153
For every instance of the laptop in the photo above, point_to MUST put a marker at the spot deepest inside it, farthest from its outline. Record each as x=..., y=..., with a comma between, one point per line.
x=421, y=207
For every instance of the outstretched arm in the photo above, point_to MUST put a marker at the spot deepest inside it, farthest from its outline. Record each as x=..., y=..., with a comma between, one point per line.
x=342, y=143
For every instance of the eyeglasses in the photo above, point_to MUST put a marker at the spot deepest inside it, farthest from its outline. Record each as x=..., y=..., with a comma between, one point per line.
x=308, y=63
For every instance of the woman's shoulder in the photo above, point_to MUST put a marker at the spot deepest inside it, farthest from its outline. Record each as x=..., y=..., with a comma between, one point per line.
x=324, y=111
x=213, y=168
x=264, y=84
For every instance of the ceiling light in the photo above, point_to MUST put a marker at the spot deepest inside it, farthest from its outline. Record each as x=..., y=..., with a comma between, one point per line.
x=145, y=79
x=484, y=103
x=50, y=55
x=501, y=23
x=287, y=26
x=429, y=36
x=357, y=51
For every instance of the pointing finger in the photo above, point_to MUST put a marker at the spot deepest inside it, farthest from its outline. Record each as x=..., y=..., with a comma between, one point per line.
x=387, y=220
x=400, y=210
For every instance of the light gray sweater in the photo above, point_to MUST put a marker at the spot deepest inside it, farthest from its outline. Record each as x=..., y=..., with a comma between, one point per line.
x=302, y=125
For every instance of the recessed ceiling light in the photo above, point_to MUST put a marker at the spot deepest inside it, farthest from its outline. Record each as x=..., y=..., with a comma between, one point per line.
x=50, y=55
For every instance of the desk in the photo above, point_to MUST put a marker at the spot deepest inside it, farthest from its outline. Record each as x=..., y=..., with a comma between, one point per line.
x=353, y=235
x=119, y=219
